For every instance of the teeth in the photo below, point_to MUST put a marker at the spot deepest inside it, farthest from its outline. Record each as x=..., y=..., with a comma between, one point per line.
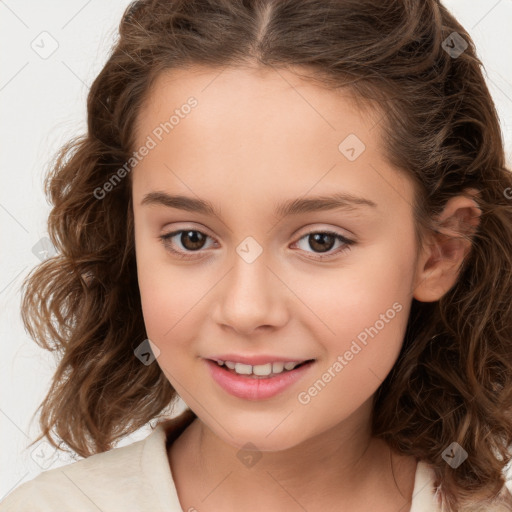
x=277, y=367
x=243, y=369
x=261, y=370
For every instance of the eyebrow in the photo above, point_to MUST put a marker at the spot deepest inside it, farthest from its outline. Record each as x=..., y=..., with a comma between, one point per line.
x=341, y=200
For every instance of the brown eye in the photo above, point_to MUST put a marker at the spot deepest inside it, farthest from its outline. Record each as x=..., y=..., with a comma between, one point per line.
x=321, y=242
x=187, y=240
x=192, y=240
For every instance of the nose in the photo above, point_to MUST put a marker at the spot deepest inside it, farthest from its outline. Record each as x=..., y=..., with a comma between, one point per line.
x=252, y=297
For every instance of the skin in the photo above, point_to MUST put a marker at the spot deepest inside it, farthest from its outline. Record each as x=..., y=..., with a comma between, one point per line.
x=258, y=137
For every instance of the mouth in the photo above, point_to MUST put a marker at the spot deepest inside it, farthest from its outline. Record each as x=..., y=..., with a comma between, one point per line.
x=260, y=371
x=257, y=382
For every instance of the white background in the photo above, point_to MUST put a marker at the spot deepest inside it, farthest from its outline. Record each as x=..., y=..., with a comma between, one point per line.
x=42, y=104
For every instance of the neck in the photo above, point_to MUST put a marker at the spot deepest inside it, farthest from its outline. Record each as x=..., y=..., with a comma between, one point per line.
x=342, y=465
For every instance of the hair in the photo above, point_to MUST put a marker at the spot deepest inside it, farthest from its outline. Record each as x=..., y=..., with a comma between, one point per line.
x=452, y=379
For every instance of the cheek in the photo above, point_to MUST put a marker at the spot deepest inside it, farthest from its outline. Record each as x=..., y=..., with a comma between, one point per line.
x=361, y=313
x=367, y=284
x=162, y=294
x=168, y=298
x=173, y=297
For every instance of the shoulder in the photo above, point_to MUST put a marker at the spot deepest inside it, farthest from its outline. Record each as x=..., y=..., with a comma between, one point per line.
x=135, y=477
x=83, y=485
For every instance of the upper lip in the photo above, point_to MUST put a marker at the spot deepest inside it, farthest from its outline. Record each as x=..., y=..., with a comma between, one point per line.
x=257, y=360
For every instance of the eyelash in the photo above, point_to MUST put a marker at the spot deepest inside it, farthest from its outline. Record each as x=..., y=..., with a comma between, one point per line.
x=165, y=239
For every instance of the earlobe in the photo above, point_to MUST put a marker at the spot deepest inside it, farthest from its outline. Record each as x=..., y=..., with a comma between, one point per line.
x=443, y=254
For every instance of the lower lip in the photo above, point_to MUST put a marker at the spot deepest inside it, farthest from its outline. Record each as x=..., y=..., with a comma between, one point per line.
x=255, y=388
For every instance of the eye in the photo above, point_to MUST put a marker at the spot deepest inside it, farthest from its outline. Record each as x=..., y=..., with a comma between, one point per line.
x=324, y=241
x=192, y=240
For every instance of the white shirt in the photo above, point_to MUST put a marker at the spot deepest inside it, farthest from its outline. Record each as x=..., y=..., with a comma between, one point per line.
x=137, y=478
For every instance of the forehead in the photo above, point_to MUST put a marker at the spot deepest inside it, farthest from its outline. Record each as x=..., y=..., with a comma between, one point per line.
x=269, y=99
x=260, y=131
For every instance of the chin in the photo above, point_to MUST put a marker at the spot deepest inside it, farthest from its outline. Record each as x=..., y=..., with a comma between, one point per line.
x=259, y=438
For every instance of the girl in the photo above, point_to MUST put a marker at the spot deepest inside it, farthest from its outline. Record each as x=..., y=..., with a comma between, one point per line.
x=296, y=216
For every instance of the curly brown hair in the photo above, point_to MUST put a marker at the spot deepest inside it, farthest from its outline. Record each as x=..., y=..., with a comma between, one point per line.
x=452, y=381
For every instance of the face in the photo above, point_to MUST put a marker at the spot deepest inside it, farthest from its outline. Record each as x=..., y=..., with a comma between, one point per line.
x=252, y=282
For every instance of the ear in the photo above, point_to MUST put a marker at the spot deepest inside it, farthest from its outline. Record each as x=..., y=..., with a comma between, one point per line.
x=443, y=252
